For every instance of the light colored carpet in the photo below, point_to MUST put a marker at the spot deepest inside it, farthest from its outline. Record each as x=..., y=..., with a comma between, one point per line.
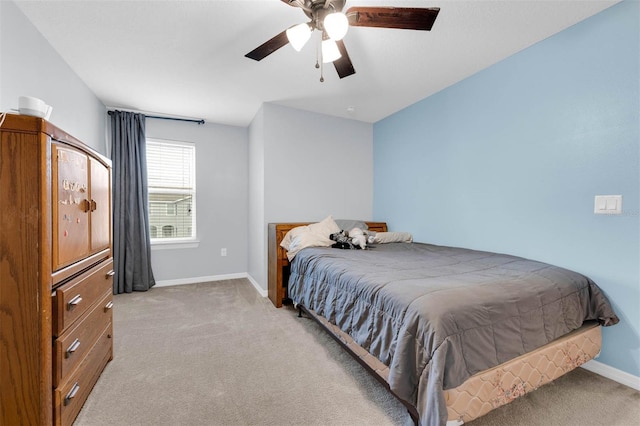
x=220, y=354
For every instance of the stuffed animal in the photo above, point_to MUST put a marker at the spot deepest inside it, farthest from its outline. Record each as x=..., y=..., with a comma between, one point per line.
x=354, y=239
x=358, y=238
x=342, y=240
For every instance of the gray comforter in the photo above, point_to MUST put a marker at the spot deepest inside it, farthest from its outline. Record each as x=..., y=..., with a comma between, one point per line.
x=437, y=315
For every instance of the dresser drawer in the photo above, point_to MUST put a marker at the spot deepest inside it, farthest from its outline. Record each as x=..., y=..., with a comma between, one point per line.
x=71, y=347
x=70, y=396
x=73, y=299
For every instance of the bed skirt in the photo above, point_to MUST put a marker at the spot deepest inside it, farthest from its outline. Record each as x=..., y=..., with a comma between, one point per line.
x=500, y=385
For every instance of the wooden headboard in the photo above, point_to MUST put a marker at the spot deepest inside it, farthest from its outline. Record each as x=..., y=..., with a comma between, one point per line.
x=278, y=264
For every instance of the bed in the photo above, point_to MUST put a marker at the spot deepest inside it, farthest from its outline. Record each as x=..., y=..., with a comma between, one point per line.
x=453, y=333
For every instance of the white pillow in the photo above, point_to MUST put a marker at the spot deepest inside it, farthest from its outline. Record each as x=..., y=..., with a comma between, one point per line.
x=326, y=227
x=314, y=235
x=392, y=237
x=286, y=241
x=306, y=239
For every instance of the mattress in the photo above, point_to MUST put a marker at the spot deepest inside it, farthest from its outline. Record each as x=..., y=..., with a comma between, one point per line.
x=438, y=315
x=500, y=385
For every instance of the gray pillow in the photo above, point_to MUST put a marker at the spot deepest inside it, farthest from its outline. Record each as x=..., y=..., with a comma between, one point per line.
x=348, y=224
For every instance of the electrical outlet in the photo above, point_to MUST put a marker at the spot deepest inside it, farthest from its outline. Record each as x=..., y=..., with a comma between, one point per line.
x=223, y=252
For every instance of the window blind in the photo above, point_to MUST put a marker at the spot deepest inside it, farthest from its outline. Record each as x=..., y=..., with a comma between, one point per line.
x=171, y=183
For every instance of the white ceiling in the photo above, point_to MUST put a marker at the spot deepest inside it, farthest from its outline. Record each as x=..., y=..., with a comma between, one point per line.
x=186, y=58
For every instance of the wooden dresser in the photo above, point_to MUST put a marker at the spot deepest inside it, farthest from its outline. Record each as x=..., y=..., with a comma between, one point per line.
x=56, y=272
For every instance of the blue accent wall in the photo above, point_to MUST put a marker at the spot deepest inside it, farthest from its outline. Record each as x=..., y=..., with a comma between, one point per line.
x=510, y=159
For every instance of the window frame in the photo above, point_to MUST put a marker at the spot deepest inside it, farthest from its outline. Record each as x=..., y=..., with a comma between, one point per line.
x=175, y=242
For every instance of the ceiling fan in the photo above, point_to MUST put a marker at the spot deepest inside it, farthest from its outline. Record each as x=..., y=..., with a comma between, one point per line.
x=327, y=17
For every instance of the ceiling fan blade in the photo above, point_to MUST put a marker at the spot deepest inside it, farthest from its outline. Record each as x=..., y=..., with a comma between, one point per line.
x=407, y=18
x=294, y=3
x=268, y=47
x=343, y=65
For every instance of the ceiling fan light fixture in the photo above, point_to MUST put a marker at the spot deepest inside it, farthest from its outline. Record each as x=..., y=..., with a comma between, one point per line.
x=298, y=35
x=330, y=51
x=336, y=24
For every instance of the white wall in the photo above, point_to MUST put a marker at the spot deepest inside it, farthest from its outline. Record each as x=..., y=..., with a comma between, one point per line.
x=29, y=66
x=257, y=238
x=290, y=165
x=221, y=203
x=315, y=165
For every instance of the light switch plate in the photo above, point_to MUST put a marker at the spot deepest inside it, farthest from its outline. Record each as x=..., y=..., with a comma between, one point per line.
x=608, y=204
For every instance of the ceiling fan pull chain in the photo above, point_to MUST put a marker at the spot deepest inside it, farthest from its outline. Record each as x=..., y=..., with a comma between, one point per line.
x=317, y=64
x=321, y=64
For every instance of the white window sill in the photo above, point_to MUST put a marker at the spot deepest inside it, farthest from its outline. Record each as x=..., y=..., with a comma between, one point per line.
x=174, y=244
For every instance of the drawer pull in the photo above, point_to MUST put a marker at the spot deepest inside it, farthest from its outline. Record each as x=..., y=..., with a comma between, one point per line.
x=110, y=273
x=108, y=306
x=71, y=349
x=73, y=302
x=72, y=393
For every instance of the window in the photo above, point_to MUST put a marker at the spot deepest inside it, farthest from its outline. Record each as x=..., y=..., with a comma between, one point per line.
x=172, y=191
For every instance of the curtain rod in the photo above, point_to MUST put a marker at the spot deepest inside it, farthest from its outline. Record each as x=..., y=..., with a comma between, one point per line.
x=157, y=117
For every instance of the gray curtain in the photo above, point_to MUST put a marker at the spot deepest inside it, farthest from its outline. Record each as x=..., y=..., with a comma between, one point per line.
x=131, y=245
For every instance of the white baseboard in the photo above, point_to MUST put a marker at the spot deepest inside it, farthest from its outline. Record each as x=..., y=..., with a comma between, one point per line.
x=613, y=374
x=195, y=280
x=259, y=289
